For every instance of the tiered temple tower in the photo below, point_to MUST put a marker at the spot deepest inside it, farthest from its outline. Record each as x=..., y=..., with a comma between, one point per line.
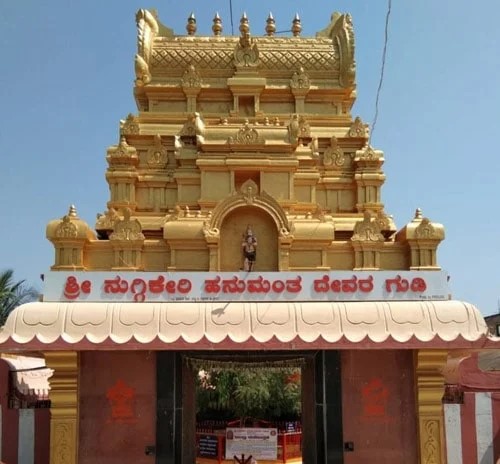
x=237, y=131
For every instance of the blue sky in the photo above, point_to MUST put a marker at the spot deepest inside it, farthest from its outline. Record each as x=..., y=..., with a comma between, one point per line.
x=67, y=76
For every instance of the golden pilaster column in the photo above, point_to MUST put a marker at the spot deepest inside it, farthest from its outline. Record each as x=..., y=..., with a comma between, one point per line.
x=429, y=381
x=64, y=406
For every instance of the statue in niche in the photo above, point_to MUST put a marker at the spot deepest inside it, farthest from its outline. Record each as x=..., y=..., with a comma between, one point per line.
x=249, y=247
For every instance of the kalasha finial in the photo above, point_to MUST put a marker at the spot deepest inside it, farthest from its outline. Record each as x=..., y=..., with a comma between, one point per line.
x=270, y=25
x=296, y=26
x=244, y=25
x=418, y=213
x=191, y=24
x=217, y=26
x=72, y=211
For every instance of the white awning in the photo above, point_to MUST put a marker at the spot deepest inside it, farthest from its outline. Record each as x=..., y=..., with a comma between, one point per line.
x=244, y=325
x=31, y=374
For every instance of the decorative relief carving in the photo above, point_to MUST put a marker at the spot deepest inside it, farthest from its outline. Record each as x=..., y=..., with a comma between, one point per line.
x=359, y=129
x=210, y=232
x=246, y=135
x=263, y=201
x=249, y=189
x=300, y=80
x=157, y=155
x=368, y=153
x=341, y=32
x=279, y=56
x=246, y=53
x=147, y=28
x=107, y=220
x=202, y=57
x=304, y=128
x=367, y=230
x=64, y=442
x=191, y=78
x=142, y=73
x=66, y=229
x=123, y=151
x=293, y=128
x=425, y=229
x=431, y=442
x=320, y=213
x=383, y=221
x=334, y=155
x=130, y=125
x=194, y=126
x=345, y=44
x=293, y=59
x=298, y=128
x=127, y=229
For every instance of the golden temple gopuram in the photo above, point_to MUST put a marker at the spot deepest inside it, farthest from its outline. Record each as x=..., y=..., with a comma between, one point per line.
x=245, y=223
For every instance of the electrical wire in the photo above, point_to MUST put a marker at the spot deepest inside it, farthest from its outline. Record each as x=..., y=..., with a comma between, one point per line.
x=384, y=53
x=231, y=14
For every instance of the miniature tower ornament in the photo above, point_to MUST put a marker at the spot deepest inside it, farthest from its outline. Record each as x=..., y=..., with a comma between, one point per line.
x=249, y=246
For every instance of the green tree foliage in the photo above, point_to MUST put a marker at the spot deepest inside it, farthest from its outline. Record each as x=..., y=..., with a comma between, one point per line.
x=267, y=394
x=13, y=294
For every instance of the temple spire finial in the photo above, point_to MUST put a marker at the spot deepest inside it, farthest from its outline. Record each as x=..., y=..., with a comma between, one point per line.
x=217, y=26
x=418, y=213
x=244, y=24
x=296, y=25
x=270, y=25
x=191, y=24
x=72, y=211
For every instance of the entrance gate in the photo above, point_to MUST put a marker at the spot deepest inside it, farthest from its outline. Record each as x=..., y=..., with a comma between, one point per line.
x=321, y=404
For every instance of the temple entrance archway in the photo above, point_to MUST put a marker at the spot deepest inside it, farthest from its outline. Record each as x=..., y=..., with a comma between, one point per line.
x=321, y=399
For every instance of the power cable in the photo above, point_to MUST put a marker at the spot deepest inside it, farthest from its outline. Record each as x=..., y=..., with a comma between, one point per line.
x=231, y=14
x=384, y=53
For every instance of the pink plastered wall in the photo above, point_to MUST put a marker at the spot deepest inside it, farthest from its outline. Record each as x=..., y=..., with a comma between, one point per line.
x=117, y=407
x=379, y=407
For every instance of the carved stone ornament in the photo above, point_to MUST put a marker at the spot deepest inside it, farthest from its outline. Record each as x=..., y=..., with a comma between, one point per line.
x=334, y=155
x=66, y=229
x=359, y=129
x=383, y=221
x=368, y=153
x=122, y=153
x=157, y=155
x=130, y=125
x=142, y=72
x=127, y=229
x=107, y=220
x=147, y=29
x=304, y=128
x=193, y=126
x=431, y=442
x=247, y=135
x=246, y=53
x=191, y=78
x=249, y=190
x=293, y=128
x=425, y=229
x=300, y=80
x=320, y=213
x=367, y=230
x=209, y=232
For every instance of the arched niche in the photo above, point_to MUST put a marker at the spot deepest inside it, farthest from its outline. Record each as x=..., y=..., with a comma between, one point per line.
x=232, y=232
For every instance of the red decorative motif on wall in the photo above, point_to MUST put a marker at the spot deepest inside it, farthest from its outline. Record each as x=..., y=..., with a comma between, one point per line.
x=121, y=400
x=374, y=397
